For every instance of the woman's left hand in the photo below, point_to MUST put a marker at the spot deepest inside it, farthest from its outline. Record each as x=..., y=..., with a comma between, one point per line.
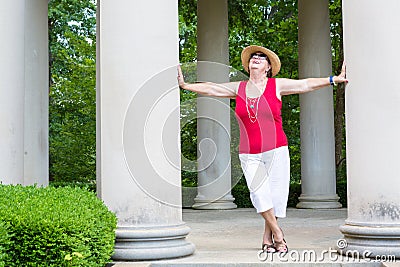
x=342, y=76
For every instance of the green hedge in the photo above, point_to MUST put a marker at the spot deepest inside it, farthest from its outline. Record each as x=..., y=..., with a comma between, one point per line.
x=91, y=186
x=341, y=190
x=50, y=226
x=294, y=193
x=4, y=243
x=242, y=196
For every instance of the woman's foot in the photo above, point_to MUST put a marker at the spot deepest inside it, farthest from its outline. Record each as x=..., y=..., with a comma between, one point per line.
x=269, y=248
x=268, y=242
x=281, y=247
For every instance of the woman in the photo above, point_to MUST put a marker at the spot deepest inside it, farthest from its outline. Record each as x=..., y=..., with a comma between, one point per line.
x=263, y=149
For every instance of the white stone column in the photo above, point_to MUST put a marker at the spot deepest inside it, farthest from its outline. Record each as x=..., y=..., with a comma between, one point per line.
x=36, y=125
x=372, y=127
x=12, y=30
x=213, y=123
x=318, y=182
x=138, y=127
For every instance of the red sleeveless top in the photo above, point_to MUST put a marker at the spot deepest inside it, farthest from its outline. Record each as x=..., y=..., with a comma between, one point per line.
x=260, y=120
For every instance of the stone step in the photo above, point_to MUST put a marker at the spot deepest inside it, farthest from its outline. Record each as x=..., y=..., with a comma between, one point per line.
x=236, y=264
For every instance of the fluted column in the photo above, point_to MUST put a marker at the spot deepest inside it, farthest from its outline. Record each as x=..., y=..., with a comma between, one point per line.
x=12, y=80
x=24, y=92
x=318, y=182
x=213, y=124
x=138, y=128
x=372, y=127
x=36, y=122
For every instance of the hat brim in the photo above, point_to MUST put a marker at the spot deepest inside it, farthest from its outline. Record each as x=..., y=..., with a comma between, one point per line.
x=273, y=58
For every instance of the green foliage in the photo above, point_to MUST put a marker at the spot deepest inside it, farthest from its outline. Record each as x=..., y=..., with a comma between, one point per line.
x=188, y=53
x=90, y=186
x=272, y=24
x=268, y=23
x=291, y=125
x=187, y=30
x=72, y=43
x=55, y=227
x=335, y=16
x=242, y=195
x=189, y=178
x=341, y=190
x=294, y=193
x=4, y=244
x=72, y=103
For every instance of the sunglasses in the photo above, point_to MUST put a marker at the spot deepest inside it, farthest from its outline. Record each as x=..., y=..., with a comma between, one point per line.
x=260, y=56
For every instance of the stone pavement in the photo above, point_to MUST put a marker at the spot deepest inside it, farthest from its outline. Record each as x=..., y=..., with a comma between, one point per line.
x=233, y=238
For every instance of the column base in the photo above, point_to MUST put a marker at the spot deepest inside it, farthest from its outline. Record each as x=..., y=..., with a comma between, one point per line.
x=152, y=243
x=319, y=202
x=188, y=196
x=225, y=203
x=380, y=242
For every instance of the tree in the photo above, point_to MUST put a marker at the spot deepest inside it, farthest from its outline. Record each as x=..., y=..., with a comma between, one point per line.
x=72, y=31
x=273, y=24
x=338, y=57
x=72, y=54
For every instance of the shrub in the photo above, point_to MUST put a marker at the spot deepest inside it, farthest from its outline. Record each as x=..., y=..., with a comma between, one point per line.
x=50, y=226
x=242, y=195
x=294, y=193
x=91, y=186
x=341, y=189
x=4, y=243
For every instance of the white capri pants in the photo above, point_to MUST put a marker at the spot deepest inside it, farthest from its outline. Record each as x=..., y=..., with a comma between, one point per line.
x=268, y=176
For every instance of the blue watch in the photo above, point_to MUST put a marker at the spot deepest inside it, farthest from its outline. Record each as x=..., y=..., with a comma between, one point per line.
x=331, y=80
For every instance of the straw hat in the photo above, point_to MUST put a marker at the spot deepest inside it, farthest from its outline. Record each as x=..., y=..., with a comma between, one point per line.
x=273, y=58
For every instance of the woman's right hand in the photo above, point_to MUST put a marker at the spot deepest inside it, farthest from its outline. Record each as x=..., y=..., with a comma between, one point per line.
x=208, y=88
x=181, y=79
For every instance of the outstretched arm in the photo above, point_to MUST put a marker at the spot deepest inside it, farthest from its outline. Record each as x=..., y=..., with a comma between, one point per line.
x=208, y=88
x=289, y=86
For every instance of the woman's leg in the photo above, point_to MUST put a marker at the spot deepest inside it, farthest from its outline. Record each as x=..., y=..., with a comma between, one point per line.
x=267, y=237
x=256, y=174
x=279, y=179
x=257, y=169
x=271, y=225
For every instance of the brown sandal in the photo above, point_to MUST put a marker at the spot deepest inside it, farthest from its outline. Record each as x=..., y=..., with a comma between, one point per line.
x=269, y=248
x=281, y=247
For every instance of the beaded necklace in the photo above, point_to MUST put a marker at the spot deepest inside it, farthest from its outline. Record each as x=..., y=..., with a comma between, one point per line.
x=252, y=102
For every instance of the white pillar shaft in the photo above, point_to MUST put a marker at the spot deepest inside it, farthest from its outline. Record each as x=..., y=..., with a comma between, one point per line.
x=372, y=128
x=12, y=72
x=138, y=127
x=213, y=124
x=316, y=117
x=36, y=155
